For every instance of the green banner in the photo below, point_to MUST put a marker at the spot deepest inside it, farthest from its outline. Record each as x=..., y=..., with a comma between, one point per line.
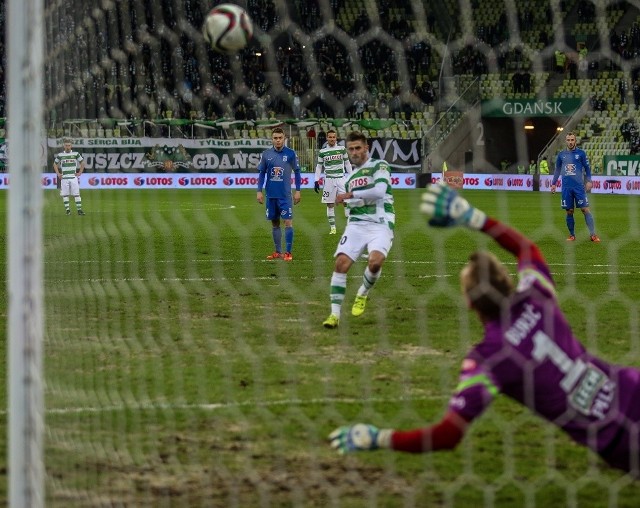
x=529, y=107
x=628, y=165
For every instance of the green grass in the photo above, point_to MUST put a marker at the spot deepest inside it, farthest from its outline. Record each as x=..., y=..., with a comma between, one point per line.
x=182, y=369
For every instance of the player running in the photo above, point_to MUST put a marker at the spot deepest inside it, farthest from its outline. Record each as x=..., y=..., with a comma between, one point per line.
x=528, y=353
x=334, y=160
x=573, y=165
x=275, y=168
x=370, y=226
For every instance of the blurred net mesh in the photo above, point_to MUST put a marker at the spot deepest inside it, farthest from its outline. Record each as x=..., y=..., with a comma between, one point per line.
x=401, y=69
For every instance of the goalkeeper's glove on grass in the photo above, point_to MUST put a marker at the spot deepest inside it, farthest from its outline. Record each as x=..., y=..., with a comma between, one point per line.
x=446, y=208
x=316, y=187
x=359, y=437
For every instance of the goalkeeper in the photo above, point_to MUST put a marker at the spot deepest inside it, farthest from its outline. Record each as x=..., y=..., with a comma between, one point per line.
x=528, y=353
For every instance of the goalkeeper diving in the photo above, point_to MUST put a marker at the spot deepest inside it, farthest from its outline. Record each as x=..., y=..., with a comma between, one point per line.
x=528, y=353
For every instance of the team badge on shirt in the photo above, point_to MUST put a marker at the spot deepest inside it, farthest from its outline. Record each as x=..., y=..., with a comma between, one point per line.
x=276, y=174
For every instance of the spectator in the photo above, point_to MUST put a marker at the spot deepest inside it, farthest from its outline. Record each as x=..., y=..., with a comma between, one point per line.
x=622, y=90
x=560, y=60
x=636, y=92
x=544, y=166
x=311, y=137
x=322, y=138
x=526, y=82
x=516, y=82
x=359, y=107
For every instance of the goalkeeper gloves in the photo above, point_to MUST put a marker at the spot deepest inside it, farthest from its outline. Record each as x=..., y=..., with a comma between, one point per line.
x=316, y=187
x=359, y=437
x=446, y=208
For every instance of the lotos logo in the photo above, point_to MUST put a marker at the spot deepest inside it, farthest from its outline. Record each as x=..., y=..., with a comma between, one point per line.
x=488, y=182
x=93, y=181
x=410, y=180
x=612, y=184
x=454, y=179
x=139, y=181
x=183, y=181
x=204, y=180
x=228, y=181
x=46, y=181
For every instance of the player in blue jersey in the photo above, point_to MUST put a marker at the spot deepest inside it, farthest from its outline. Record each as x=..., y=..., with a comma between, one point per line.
x=573, y=165
x=275, y=170
x=528, y=353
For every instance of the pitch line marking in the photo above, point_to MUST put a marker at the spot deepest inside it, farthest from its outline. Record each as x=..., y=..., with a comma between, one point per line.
x=214, y=406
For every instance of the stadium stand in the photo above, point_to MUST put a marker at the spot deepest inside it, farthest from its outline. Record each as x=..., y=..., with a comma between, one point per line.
x=494, y=65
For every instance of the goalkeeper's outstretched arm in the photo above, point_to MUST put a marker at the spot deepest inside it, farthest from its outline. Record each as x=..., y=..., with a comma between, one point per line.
x=444, y=435
x=446, y=209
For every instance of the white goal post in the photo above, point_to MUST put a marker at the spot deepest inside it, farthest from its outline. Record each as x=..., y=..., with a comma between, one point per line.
x=25, y=260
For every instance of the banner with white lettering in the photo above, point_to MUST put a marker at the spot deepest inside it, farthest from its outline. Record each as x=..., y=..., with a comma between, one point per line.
x=175, y=155
x=621, y=165
x=401, y=154
x=165, y=155
x=187, y=181
x=529, y=107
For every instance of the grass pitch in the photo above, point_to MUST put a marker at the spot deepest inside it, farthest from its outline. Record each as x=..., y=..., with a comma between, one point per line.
x=183, y=369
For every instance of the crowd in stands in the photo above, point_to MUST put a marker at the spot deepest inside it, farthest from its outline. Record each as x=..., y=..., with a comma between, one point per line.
x=145, y=58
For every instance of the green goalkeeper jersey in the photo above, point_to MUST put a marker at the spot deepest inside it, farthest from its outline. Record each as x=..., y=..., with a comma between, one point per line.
x=332, y=159
x=68, y=162
x=379, y=210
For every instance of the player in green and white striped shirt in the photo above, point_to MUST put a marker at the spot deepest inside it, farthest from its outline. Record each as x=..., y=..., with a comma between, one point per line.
x=334, y=160
x=370, y=226
x=69, y=165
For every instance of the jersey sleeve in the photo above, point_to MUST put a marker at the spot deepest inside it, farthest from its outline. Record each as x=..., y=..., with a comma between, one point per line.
x=382, y=174
x=297, y=177
x=475, y=391
x=587, y=166
x=557, y=170
x=262, y=172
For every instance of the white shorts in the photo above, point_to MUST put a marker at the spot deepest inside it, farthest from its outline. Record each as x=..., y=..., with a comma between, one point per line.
x=365, y=235
x=332, y=187
x=69, y=187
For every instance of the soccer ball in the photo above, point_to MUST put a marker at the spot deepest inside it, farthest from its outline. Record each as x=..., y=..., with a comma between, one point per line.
x=227, y=28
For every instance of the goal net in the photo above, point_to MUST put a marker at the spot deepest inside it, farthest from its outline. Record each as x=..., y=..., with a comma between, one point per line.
x=183, y=369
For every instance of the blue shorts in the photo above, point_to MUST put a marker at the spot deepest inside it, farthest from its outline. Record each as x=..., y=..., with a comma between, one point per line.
x=279, y=208
x=571, y=197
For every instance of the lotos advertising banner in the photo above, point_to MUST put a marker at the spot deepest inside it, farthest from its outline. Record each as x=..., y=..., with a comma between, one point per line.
x=486, y=181
x=604, y=184
x=601, y=184
x=187, y=181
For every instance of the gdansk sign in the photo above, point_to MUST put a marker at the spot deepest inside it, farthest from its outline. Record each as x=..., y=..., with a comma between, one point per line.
x=529, y=107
